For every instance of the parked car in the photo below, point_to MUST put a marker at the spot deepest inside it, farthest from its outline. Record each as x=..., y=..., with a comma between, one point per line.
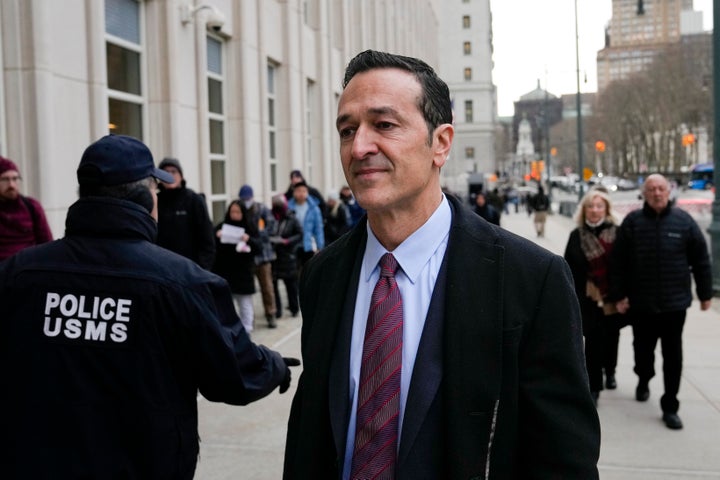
x=613, y=183
x=564, y=182
x=626, y=184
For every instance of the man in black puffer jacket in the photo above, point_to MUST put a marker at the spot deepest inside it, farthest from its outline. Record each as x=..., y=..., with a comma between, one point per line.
x=184, y=224
x=657, y=249
x=106, y=338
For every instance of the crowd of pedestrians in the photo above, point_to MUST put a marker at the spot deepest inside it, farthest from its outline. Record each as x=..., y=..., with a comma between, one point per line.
x=281, y=239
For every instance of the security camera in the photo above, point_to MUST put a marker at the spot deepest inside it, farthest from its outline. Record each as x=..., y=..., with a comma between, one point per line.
x=215, y=20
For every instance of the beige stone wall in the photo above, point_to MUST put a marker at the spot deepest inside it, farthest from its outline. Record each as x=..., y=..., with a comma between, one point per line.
x=54, y=101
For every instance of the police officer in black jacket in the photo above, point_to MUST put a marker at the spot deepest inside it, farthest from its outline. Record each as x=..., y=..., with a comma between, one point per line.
x=106, y=338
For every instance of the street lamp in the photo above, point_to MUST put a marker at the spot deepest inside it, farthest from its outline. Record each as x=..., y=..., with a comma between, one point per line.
x=579, y=108
x=714, y=228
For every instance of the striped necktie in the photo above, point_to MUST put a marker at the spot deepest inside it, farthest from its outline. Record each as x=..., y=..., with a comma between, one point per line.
x=376, y=434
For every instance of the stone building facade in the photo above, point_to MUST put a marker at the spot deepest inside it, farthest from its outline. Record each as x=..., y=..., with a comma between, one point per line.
x=240, y=91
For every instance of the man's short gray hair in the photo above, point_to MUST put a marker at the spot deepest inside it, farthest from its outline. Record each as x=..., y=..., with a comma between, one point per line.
x=138, y=192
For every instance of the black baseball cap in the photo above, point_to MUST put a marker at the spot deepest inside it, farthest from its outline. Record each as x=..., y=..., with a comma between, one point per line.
x=118, y=159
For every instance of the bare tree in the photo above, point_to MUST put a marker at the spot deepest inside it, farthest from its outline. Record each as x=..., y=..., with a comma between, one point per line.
x=642, y=119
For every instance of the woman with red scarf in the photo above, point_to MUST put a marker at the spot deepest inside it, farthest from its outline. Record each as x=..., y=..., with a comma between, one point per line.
x=588, y=254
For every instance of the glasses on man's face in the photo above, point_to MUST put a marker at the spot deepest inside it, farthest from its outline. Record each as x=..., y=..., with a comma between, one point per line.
x=13, y=179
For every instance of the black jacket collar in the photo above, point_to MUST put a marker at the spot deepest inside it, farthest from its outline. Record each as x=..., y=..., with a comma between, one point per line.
x=110, y=218
x=650, y=212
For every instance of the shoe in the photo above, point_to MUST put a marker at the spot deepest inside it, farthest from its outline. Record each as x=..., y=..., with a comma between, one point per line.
x=642, y=392
x=672, y=421
x=271, y=321
x=610, y=382
x=278, y=315
x=293, y=314
x=595, y=396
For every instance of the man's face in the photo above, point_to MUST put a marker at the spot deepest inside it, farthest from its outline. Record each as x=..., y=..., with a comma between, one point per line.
x=9, y=185
x=300, y=194
x=176, y=174
x=657, y=192
x=386, y=157
x=480, y=200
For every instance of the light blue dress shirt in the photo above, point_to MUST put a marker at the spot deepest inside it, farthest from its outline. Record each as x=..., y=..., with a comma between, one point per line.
x=420, y=257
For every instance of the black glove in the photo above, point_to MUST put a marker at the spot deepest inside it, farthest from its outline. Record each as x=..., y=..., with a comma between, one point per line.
x=289, y=362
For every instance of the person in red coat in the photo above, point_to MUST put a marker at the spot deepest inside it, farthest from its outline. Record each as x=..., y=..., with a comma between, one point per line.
x=22, y=219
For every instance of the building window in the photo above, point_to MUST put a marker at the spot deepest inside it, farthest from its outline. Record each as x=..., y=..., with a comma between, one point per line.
x=467, y=74
x=272, y=128
x=466, y=21
x=469, y=152
x=467, y=48
x=468, y=111
x=216, y=124
x=124, y=57
x=311, y=13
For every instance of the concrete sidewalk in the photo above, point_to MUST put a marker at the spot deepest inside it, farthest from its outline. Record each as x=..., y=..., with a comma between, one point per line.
x=636, y=445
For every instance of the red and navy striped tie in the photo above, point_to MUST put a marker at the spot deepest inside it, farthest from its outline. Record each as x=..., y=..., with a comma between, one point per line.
x=376, y=434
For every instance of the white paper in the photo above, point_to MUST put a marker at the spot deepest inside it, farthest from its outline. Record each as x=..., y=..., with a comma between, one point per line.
x=231, y=234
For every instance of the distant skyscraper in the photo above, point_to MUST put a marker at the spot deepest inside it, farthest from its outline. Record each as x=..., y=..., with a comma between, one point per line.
x=638, y=30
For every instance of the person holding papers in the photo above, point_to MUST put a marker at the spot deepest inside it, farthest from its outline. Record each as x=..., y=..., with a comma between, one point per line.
x=235, y=247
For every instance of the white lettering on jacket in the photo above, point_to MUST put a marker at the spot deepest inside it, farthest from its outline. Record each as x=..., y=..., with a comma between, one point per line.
x=92, y=318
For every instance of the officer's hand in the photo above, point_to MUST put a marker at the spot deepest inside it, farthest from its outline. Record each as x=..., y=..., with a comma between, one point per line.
x=289, y=362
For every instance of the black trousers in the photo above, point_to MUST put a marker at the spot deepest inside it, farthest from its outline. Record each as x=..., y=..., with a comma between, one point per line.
x=291, y=287
x=602, y=335
x=667, y=327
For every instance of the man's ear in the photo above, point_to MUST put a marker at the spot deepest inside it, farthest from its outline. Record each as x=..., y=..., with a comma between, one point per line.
x=442, y=142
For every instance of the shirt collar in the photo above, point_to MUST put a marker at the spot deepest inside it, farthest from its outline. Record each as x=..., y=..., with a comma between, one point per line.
x=415, y=251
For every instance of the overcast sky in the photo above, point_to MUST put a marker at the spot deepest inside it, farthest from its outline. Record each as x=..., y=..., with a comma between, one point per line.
x=535, y=40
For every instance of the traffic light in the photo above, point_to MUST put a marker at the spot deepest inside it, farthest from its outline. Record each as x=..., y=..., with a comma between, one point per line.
x=536, y=169
x=688, y=139
x=600, y=146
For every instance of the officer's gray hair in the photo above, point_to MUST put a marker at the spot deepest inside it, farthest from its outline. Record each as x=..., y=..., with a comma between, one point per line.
x=138, y=191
